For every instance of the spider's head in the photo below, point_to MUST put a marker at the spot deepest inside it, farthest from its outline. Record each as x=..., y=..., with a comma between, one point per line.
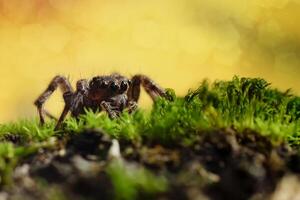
x=108, y=85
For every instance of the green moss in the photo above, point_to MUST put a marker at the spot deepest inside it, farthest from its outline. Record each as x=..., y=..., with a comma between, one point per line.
x=130, y=181
x=28, y=130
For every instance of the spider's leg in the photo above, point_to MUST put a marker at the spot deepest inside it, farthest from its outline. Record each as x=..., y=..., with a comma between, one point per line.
x=57, y=81
x=62, y=117
x=109, y=109
x=48, y=114
x=132, y=106
x=81, y=88
x=149, y=85
x=82, y=85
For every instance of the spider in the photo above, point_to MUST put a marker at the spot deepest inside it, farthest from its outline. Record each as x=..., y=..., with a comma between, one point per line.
x=111, y=93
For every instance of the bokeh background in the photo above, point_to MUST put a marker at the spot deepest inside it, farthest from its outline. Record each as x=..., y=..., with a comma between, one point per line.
x=176, y=42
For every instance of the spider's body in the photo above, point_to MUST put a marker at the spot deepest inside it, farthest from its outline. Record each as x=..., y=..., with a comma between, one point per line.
x=112, y=94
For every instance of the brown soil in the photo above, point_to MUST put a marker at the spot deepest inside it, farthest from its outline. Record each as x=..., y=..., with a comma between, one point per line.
x=219, y=165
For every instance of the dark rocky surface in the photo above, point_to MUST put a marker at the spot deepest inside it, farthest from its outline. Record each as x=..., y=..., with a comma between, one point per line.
x=219, y=165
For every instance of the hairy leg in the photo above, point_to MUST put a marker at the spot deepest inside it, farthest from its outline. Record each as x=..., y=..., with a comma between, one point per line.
x=109, y=109
x=82, y=85
x=62, y=117
x=49, y=114
x=132, y=106
x=81, y=88
x=149, y=85
x=57, y=81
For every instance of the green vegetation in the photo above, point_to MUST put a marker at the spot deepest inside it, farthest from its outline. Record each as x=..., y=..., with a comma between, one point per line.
x=241, y=104
x=129, y=180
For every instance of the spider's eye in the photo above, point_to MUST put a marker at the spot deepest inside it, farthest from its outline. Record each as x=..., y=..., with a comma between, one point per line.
x=124, y=86
x=114, y=86
x=95, y=79
x=103, y=84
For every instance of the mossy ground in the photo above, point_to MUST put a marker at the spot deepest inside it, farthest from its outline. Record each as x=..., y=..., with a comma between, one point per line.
x=228, y=134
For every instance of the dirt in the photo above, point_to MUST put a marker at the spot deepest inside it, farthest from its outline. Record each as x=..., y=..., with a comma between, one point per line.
x=218, y=165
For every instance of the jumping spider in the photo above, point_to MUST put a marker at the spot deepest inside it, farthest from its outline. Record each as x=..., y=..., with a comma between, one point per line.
x=111, y=93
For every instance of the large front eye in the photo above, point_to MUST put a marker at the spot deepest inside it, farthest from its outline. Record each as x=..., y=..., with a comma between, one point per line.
x=103, y=84
x=93, y=83
x=95, y=79
x=124, y=86
x=114, y=86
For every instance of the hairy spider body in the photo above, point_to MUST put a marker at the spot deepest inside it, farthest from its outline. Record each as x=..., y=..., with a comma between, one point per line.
x=112, y=93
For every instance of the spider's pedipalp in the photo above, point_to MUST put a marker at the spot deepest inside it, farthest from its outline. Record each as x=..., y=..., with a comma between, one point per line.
x=108, y=108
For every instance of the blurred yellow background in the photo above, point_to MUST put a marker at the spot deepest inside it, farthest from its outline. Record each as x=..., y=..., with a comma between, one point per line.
x=176, y=42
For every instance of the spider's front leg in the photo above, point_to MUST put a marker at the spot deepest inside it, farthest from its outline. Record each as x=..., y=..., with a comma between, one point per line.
x=153, y=89
x=112, y=113
x=132, y=106
x=57, y=81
